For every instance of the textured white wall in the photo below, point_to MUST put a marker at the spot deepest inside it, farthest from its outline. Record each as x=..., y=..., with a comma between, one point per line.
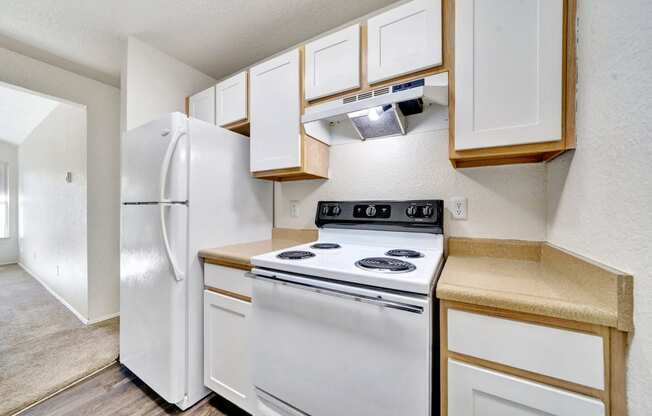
x=154, y=83
x=504, y=202
x=53, y=212
x=103, y=123
x=9, y=246
x=600, y=197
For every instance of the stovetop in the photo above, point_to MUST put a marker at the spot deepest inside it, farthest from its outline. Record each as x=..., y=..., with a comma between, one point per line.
x=396, y=245
x=343, y=263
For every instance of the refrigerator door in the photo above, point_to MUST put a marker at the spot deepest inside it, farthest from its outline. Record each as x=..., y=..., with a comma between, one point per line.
x=153, y=300
x=155, y=161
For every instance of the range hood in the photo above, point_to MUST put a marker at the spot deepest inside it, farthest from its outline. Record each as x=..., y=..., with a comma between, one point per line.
x=380, y=112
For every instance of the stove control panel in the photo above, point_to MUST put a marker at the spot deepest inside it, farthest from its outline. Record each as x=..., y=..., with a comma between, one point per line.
x=372, y=211
x=417, y=215
x=420, y=211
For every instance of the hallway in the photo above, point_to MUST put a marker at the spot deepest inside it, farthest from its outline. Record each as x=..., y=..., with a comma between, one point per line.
x=43, y=346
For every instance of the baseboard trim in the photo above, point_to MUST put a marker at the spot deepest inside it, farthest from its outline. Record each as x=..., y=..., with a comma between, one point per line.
x=79, y=316
x=103, y=318
x=8, y=264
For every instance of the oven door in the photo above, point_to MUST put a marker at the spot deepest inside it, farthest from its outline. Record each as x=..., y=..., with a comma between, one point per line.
x=324, y=348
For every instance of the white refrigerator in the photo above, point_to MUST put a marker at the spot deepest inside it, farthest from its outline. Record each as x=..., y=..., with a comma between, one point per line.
x=186, y=185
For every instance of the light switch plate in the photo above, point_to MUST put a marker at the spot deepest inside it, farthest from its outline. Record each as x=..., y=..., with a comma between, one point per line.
x=459, y=208
x=294, y=209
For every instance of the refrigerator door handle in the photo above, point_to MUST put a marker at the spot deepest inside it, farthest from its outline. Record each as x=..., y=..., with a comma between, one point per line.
x=165, y=167
x=167, y=160
x=178, y=275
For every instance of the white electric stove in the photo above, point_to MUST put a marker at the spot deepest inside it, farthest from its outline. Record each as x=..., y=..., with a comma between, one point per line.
x=347, y=325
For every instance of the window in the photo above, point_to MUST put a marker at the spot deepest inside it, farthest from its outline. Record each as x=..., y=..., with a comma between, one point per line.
x=4, y=200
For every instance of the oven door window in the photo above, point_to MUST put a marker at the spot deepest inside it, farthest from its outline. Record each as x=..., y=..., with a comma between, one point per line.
x=329, y=355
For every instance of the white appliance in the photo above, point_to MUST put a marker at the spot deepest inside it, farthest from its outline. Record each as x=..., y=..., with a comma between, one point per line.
x=348, y=325
x=185, y=186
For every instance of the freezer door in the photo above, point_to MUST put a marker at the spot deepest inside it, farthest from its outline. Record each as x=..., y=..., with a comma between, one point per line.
x=155, y=161
x=153, y=301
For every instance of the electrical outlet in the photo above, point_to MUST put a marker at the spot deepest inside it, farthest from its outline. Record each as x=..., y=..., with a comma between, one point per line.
x=294, y=209
x=458, y=208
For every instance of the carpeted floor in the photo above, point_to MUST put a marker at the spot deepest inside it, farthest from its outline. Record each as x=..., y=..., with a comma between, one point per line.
x=43, y=346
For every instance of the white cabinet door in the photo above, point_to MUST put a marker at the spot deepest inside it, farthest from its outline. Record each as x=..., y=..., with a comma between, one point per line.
x=405, y=39
x=231, y=99
x=475, y=391
x=333, y=63
x=508, y=87
x=227, y=368
x=202, y=105
x=275, y=113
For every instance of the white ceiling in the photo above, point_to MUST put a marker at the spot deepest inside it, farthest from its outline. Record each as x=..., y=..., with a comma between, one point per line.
x=20, y=112
x=218, y=37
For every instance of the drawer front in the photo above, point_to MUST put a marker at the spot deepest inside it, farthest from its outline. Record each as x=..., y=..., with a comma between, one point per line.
x=226, y=278
x=566, y=355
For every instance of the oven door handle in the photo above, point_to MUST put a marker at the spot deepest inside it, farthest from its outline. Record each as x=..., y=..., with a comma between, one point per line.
x=378, y=301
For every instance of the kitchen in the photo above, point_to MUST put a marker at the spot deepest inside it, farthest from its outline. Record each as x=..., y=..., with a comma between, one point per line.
x=416, y=208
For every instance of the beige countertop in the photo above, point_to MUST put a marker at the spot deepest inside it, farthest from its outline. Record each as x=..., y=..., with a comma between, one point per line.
x=536, y=278
x=239, y=255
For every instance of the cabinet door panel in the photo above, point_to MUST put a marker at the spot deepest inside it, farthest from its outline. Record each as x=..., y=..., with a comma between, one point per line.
x=508, y=89
x=231, y=99
x=475, y=391
x=404, y=39
x=333, y=63
x=202, y=105
x=226, y=348
x=275, y=113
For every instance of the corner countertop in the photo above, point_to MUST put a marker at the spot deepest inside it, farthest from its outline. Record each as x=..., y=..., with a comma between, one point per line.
x=239, y=255
x=536, y=278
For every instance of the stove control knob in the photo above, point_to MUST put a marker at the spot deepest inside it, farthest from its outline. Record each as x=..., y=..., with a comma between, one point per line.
x=426, y=211
x=411, y=211
x=335, y=210
x=371, y=211
x=324, y=210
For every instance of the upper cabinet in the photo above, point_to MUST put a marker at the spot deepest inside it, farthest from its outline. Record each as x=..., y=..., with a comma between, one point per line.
x=279, y=148
x=510, y=67
x=513, y=81
x=202, y=105
x=275, y=113
x=405, y=39
x=333, y=63
x=231, y=100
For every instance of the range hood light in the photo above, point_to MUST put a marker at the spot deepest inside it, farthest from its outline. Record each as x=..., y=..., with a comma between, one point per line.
x=373, y=113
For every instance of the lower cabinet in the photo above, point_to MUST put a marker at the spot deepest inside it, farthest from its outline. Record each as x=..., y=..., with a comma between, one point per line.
x=476, y=391
x=505, y=363
x=227, y=368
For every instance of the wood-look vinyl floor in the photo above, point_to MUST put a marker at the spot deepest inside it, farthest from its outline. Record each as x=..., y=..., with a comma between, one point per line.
x=116, y=391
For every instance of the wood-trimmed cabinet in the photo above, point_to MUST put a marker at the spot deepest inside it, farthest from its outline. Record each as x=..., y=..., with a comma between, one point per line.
x=398, y=45
x=202, y=105
x=511, y=70
x=512, y=81
x=522, y=364
x=227, y=309
x=280, y=148
x=332, y=63
x=232, y=103
x=404, y=40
